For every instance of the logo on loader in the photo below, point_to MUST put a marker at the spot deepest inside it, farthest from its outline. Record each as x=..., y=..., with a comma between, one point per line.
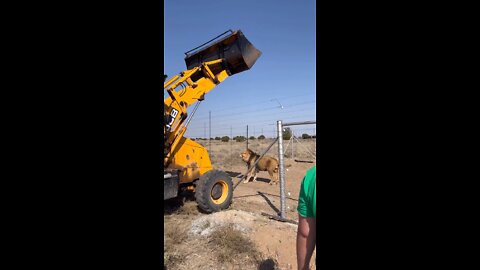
x=173, y=115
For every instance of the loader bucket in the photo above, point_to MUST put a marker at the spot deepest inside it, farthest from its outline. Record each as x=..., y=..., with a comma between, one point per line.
x=237, y=52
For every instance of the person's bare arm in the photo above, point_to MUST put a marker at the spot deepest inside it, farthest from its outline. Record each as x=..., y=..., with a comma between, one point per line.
x=306, y=238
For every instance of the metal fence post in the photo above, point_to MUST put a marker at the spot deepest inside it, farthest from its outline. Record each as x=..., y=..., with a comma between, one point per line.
x=281, y=168
x=247, y=136
x=293, y=146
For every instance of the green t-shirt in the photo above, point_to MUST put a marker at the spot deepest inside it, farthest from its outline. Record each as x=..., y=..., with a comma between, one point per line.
x=307, y=200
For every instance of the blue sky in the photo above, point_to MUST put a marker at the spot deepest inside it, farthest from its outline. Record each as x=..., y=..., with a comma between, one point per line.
x=284, y=31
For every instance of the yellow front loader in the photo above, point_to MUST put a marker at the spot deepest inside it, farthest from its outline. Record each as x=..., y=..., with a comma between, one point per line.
x=187, y=163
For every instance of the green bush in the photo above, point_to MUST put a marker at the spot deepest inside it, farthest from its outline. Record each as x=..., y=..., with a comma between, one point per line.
x=305, y=136
x=240, y=138
x=287, y=133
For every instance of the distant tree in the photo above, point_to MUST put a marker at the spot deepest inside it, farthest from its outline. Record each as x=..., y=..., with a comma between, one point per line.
x=240, y=138
x=287, y=133
x=217, y=138
x=211, y=139
x=252, y=138
x=305, y=136
x=261, y=137
x=225, y=138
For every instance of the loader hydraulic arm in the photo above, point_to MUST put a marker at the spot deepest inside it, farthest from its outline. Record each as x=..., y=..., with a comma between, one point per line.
x=193, y=84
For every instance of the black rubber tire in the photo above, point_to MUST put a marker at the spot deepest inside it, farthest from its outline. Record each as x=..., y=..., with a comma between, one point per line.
x=204, y=187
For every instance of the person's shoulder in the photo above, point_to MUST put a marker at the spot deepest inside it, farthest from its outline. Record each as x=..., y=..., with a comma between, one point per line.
x=312, y=172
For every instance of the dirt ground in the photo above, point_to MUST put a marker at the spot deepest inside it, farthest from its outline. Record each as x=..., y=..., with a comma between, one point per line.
x=239, y=237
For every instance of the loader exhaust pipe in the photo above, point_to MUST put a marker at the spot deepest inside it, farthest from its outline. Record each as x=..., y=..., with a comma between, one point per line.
x=237, y=52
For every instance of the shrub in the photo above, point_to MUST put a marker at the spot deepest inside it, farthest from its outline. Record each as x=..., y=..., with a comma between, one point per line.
x=287, y=133
x=240, y=138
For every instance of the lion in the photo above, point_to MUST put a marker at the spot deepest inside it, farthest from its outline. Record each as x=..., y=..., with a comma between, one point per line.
x=266, y=163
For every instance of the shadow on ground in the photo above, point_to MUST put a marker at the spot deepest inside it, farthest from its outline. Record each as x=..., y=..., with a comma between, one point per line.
x=269, y=202
x=237, y=176
x=233, y=174
x=268, y=264
x=175, y=205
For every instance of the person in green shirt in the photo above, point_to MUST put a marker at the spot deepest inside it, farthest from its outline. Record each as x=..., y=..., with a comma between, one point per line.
x=307, y=217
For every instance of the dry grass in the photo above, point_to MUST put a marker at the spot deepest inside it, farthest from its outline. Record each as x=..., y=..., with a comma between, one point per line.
x=175, y=234
x=232, y=247
x=226, y=248
x=226, y=154
x=180, y=213
x=188, y=209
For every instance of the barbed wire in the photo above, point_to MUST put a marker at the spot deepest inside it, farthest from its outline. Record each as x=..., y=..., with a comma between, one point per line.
x=290, y=97
x=242, y=113
x=268, y=121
